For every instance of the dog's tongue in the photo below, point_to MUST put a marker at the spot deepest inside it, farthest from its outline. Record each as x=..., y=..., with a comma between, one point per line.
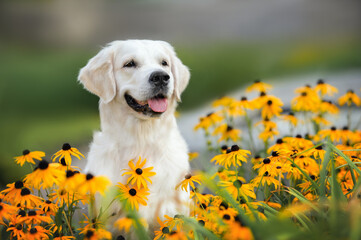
x=158, y=104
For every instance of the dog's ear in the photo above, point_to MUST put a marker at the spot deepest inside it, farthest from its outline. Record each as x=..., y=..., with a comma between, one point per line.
x=180, y=72
x=98, y=75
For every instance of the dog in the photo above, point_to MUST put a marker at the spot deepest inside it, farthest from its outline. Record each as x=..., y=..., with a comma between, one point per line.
x=139, y=83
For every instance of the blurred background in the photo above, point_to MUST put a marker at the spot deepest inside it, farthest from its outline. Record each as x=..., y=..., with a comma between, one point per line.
x=226, y=44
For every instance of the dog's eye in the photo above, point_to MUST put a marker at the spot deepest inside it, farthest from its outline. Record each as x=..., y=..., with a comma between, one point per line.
x=130, y=64
x=164, y=63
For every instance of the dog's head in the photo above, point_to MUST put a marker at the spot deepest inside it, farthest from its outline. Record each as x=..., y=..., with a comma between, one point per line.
x=144, y=75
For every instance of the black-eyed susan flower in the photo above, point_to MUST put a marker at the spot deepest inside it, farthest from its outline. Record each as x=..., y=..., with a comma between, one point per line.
x=48, y=208
x=44, y=176
x=319, y=120
x=325, y=88
x=280, y=146
x=237, y=188
x=267, y=165
x=189, y=180
x=208, y=121
x=227, y=133
x=328, y=107
x=268, y=134
x=6, y=211
x=138, y=174
x=17, y=231
x=13, y=191
x=177, y=221
x=92, y=184
x=265, y=179
x=133, y=196
x=290, y=117
x=267, y=123
x=26, y=199
x=62, y=197
x=234, y=157
x=64, y=238
x=66, y=152
x=37, y=233
x=259, y=86
x=349, y=98
x=35, y=217
x=163, y=231
x=125, y=223
x=29, y=157
x=95, y=234
x=333, y=133
x=271, y=107
x=308, y=100
x=236, y=231
x=224, y=101
x=244, y=104
x=73, y=179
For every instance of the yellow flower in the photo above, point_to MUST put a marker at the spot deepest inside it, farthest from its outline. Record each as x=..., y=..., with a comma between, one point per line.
x=133, y=196
x=29, y=157
x=210, y=120
x=34, y=217
x=224, y=101
x=189, y=180
x=96, y=234
x=26, y=199
x=320, y=120
x=37, y=233
x=235, y=156
x=6, y=211
x=268, y=134
x=272, y=107
x=308, y=100
x=13, y=191
x=92, y=184
x=244, y=104
x=163, y=231
x=259, y=86
x=237, y=188
x=17, y=231
x=66, y=152
x=44, y=176
x=290, y=118
x=193, y=155
x=138, y=174
x=265, y=179
x=125, y=223
x=333, y=133
x=325, y=88
x=349, y=98
x=328, y=107
x=228, y=132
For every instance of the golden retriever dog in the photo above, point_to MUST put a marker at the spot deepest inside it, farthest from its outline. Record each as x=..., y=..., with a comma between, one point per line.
x=139, y=83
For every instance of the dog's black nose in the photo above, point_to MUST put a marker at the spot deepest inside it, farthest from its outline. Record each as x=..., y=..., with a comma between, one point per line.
x=159, y=79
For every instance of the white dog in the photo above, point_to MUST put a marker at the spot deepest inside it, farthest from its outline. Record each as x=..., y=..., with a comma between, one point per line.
x=139, y=83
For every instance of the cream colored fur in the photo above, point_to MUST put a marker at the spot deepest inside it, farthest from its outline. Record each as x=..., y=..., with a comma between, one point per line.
x=126, y=134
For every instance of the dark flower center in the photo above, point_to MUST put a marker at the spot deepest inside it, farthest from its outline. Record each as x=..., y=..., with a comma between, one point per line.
x=43, y=164
x=188, y=176
x=201, y=222
x=224, y=205
x=31, y=213
x=275, y=154
x=350, y=91
x=203, y=206
x=224, y=147
x=62, y=161
x=89, y=176
x=345, y=128
x=266, y=161
x=313, y=177
x=1, y=208
x=19, y=227
x=19, y=184
x=269, y=102
x=220, y=169
x=298, y=136
x=319, y=147
x=237, y=183
x=120, y=237
x=234, y=148
x=139, y=171
x=69, y=173
x=229, y=128
x=33, y=230
x=209, y=114
x=66, y=146
x=22, y=213
x=228, y=151
x=320, y=81
x=244, y=99
x=226, y=217
x=333, y=128
x=26, y=152
x=25, y=191
x=279, y=141
x=257, y=81
x=48, y=201
x=165, y=230
x=265, y=174
x=262, y=94
x=89, y=234
x=304, y=94
x=278, y=167
x=132, y=192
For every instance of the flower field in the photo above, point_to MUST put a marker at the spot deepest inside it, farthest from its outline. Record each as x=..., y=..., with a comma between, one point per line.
x=302, y=185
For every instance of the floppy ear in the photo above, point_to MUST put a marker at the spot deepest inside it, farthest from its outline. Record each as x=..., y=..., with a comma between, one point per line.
x=98, y=76
x=180, y=72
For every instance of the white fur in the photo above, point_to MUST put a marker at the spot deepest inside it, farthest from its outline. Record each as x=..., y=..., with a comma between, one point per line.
x=126, y=134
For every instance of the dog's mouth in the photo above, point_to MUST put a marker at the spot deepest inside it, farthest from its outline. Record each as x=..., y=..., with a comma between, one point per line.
x=153, y=107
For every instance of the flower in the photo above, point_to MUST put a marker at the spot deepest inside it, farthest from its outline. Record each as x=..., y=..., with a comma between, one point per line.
x=224, y=101
x=349, y=98
x=272, y=107
x=49, y=208
x=237, y=188
x=163, y=231
x=259, y=86
x=13, y=191
x=235, y=156
x=333, y=133
x=138, y=174
x=37, y=233
x=325, y=88
x=210, y=120
x=92, y=184
x=228, y=132
x=66, y=152
x=6, y=211
x=193, y=155
x=265, y=179
x=29, y=157
x=133, y=196
x=34, y=217
x=268, y=133
x=26, y=199
x=125, y=223
x=189, y=180
x=308, y=100
x=17, y=231
x=44, y=176
x=95, y=234
x=290, y=117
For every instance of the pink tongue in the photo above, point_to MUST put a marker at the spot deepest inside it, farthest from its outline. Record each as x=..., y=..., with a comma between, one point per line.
x=158, y=104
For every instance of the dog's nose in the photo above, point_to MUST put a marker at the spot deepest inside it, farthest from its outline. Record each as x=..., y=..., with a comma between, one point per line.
x=159, y=78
